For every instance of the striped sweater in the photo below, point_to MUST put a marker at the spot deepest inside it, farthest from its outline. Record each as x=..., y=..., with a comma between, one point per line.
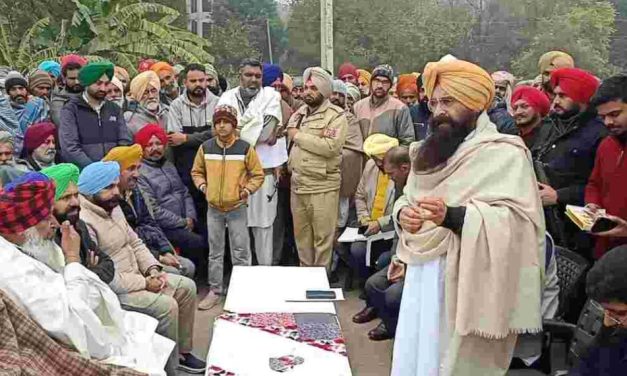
x=226, y=171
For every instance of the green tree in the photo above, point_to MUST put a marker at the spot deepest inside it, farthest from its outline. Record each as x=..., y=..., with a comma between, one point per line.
x=26, y=52
x=253, y=15
x=124, y=31
x=583, y=28
x=404, y=33
x=230, y=46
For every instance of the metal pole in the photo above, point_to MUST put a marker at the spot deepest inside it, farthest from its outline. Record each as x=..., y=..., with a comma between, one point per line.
x=269, y=40
x=326, y=34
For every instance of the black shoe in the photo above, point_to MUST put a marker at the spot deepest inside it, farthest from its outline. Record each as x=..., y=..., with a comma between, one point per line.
x=365, y=315
x=190, y=364
x=380, y=333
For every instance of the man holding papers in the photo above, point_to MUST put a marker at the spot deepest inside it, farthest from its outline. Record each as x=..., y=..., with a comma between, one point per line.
x=374, y=199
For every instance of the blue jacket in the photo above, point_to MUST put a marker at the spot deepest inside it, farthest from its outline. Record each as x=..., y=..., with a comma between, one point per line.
x=140, y=218
x=165, y=192
x=568, y=152
x=87, y=136
x=420, y=115
x=504, y=122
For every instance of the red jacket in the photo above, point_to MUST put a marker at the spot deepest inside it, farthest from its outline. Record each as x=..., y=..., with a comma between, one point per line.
x=607, y=187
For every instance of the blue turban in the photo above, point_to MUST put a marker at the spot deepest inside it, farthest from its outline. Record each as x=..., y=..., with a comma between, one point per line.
x=340, y=87
x=29, y=177
x=51, y=67
x=271, y=72
x=97, y=176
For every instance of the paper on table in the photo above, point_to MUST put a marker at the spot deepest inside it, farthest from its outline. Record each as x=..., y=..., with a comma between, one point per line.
x=350, y=235
x=246, y=352
x=260, y=289
x=302, y=297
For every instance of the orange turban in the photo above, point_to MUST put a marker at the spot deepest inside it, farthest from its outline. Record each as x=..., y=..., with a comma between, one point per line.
x=468, y=83
x=162, y=66
x=407, y=82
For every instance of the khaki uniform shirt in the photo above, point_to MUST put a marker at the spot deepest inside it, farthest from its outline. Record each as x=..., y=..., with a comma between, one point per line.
x=316, y=150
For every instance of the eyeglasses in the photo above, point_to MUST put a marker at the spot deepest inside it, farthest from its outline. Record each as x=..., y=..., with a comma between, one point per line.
x=615, y=320
x=445, y=102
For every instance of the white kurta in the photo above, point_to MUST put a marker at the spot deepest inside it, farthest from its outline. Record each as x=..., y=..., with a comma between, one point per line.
x=78, y=309
x=421, y=335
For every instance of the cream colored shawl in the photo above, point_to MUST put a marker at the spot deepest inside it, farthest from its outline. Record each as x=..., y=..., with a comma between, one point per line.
x=494, y=269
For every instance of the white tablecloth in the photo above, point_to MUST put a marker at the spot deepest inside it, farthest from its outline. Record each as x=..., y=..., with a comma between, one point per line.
x=259, y=289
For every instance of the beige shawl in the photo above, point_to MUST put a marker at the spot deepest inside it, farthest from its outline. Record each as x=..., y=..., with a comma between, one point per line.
x=494, y=269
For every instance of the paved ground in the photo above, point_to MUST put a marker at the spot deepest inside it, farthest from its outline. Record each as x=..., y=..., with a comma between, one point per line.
x=367, y=358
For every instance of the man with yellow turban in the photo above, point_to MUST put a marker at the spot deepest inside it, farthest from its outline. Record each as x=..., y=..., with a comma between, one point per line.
x=471, y=232
x=363, y=82
x=374, y=201
x=167, y=77
x=549, y=62
x=138, y=211
x=144, y=103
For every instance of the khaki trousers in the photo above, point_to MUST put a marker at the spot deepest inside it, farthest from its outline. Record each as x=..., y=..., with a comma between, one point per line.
x=315, y=221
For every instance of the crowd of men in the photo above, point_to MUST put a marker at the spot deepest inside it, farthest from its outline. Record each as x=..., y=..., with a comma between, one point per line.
x=119, y=192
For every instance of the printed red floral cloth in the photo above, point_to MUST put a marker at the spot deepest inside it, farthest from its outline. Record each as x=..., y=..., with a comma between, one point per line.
x=320, y=330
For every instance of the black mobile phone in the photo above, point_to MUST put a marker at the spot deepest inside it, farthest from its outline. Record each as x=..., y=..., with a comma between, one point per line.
x=603, y=224
x=320, y=294
x=362, y=230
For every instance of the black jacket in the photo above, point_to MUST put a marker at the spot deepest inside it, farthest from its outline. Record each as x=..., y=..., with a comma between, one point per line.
x=568, y=151
x=420, y=115
x=105, y=269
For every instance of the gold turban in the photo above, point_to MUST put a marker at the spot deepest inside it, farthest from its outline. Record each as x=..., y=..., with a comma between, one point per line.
x=378, y=144
x=364, y=75
x=140, y=84
x=126, y=156
x=468, y=83
x=555, y=59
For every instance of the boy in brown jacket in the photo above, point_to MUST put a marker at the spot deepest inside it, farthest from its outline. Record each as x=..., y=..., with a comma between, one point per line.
x=227, y=170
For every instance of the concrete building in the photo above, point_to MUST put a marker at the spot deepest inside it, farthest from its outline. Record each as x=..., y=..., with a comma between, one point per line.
x=199, y=16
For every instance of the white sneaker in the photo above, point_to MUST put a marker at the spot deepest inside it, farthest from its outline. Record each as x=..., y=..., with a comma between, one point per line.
x=209, y=301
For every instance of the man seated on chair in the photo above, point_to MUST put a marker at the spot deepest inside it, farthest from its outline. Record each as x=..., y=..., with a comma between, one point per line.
x=374, y=201
x=606, y=284
x=385, y=288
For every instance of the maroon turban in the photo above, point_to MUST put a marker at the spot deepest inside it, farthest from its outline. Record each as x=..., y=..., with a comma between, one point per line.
x=25, y=205
x=37, y=134
x=72, y=58
x=348, y=68
x=535, y=98
x=145, y=134
x=578, y=84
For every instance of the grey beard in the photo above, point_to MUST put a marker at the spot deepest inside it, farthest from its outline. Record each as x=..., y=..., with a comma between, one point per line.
x=42, y=250
x=248, y=93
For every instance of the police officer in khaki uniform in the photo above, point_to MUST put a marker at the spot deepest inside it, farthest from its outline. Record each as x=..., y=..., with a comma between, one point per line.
x=316, y=132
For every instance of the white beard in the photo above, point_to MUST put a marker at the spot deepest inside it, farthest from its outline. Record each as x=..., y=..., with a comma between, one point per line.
x=43, y=250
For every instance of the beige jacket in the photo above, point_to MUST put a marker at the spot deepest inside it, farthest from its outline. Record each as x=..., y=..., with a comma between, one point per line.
x=316, y=150
x=113, y=235
x=364, y=197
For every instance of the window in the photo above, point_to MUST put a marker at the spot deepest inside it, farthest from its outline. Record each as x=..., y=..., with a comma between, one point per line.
x=206, y=29
x=194, y=27
x=207, y=5
x=194, y=6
